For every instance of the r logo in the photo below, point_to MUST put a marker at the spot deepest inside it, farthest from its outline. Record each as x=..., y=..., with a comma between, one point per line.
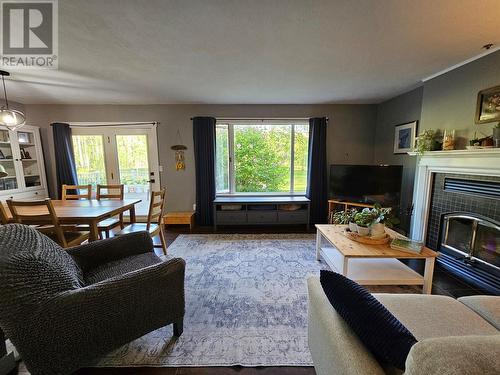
x=28, y=28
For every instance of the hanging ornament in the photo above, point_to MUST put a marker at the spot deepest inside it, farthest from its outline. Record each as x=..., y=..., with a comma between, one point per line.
x=179, y=149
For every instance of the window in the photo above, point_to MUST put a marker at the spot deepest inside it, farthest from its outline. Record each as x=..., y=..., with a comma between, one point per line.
x=261, y=157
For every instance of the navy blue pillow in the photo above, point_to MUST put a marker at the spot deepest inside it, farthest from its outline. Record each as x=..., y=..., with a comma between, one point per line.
x=380, y=331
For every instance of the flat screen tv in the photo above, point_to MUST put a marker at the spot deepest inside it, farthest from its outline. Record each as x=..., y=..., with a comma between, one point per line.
x=366, y=183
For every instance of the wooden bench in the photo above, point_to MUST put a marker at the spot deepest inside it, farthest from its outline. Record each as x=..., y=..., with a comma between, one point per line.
x=179, y=217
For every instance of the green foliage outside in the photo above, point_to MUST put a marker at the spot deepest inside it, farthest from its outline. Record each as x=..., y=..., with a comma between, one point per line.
x=262, y=158
x=132, y=159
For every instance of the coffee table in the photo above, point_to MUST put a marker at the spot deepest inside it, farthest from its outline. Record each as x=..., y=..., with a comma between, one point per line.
x=371, y=264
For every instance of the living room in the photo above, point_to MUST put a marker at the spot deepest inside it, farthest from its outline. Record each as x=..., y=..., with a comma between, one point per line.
x=206, y=139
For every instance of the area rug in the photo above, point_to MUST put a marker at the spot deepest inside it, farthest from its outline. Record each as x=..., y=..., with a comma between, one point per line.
x=246, y=304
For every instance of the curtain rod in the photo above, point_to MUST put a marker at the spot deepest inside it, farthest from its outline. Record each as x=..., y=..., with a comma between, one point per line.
x=109, y=124
x=262, y=119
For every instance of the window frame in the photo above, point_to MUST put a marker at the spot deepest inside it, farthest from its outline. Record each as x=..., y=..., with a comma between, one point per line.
x=231, y=165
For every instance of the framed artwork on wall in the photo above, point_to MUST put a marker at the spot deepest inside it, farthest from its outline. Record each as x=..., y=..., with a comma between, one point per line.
x=488, y=105
x=404, y=137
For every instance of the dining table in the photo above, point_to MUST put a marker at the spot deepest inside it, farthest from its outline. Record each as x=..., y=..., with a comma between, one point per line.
x=89, y=212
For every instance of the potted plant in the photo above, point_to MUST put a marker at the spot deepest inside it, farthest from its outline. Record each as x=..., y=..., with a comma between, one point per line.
x=427, y=141
x=382, y=217
x=345, y=217
x=363, y=221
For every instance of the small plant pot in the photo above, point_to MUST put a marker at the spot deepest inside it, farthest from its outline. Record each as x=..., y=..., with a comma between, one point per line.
x=353, y=227
x=377, y=230
x=363, y=231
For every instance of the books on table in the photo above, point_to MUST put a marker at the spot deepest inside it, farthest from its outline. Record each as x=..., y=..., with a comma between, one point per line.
x=409, y=246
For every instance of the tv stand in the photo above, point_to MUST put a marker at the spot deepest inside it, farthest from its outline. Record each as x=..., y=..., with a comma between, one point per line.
x=346, y=204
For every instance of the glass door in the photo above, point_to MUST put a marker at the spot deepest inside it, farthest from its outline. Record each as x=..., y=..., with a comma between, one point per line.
x=119, y=155
x=29, y=159
x=8, y=173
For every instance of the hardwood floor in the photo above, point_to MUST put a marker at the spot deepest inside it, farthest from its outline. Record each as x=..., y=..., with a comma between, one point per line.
x=444, y=284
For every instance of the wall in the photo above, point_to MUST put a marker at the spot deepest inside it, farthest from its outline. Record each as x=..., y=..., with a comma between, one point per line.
x=449, y=100
x=401, y=109
x=349, y=138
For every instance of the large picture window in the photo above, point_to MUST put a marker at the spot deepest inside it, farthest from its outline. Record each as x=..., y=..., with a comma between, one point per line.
x=261, y=157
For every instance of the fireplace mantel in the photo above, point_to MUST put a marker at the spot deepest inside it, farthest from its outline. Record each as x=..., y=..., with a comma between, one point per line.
x=483, y=162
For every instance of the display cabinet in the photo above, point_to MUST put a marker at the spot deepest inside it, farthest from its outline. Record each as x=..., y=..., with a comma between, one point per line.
x=21, y=157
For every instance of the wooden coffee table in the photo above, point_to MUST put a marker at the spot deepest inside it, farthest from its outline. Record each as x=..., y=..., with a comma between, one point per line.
x=371, y=264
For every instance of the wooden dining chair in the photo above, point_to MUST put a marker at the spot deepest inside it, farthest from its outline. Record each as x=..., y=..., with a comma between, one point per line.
x=4, y=217
x=110, y=192
x=42, y=214
x=77, y=189
x=154, y=224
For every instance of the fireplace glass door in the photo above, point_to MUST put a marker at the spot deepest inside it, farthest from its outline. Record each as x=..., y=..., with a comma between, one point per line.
x=472, y=237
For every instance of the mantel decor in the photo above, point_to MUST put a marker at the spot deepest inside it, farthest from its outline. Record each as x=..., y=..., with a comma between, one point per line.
x=488, y=105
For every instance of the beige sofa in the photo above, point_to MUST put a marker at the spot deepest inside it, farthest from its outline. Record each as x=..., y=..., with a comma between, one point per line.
x=455, y=336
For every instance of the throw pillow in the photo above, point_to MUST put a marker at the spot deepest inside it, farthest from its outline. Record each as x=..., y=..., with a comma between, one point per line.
x=380, y=331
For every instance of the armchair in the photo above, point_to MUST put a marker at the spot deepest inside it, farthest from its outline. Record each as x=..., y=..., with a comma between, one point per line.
x=63, y=309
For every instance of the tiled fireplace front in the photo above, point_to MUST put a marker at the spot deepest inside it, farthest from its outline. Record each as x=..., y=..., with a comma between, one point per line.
x=464, y=225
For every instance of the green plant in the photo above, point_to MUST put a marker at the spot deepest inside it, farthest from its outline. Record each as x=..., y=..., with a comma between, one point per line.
x=364, y=218
x=343, y=217
x=426, y=141
x=384, y=216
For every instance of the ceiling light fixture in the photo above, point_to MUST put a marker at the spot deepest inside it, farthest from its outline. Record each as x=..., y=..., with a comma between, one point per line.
x=10, y=118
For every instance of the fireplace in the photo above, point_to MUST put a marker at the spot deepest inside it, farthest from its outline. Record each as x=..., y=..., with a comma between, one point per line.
x=464, y=226
x=470, y=248
x=449, y=184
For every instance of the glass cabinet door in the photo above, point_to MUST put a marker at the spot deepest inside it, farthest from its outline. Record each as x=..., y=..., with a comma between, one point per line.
x=8, y=174
x=29, y=162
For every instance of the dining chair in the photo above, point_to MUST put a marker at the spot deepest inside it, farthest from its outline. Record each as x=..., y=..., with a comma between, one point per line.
x=4, y=217
x=67, y=189
x=43, y=214
x=110, y=192
x=154, y=224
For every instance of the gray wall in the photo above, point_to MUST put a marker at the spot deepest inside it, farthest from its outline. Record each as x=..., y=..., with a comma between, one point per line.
x=403, y=108
x=350, y=133
x=450, y=99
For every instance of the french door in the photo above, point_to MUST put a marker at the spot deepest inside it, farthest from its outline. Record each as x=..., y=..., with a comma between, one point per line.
x=119, y=155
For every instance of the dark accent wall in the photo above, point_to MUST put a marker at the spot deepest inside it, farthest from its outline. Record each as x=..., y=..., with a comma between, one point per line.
x=403, y=108
x=449, y=100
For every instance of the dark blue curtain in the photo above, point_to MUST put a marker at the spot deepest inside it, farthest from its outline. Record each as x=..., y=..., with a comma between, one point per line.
x=317, y=184
x=65, y=157
x=204, y=158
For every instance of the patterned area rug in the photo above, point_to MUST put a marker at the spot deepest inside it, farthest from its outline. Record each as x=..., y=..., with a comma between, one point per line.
x=246, y=304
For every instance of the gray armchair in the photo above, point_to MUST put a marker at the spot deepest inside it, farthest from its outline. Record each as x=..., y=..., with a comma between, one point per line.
x=63, y=309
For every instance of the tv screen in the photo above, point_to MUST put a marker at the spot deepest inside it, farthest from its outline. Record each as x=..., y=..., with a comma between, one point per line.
x=366, y=183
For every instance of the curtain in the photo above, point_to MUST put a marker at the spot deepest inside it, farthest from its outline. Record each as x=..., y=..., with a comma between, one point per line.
x=65, y=157
x=204, y=158
x=316, y=170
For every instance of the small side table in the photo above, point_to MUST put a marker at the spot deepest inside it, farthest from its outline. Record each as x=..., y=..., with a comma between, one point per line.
x=179, y=217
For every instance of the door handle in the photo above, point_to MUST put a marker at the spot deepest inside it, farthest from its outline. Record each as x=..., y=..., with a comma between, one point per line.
x=152, y=181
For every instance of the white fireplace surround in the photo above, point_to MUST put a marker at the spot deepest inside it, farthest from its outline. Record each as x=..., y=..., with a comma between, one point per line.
x=483, y=162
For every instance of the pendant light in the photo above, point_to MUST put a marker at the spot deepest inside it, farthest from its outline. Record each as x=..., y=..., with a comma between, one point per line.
x=10, y=118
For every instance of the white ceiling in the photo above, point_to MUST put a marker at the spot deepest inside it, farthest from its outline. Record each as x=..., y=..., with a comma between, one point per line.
x=254, y=52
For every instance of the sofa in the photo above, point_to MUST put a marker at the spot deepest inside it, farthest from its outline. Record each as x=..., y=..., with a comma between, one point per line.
x=454, y=336
x=65, y=308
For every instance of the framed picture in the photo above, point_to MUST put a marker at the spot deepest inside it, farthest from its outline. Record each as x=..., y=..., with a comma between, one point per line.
x=404, y=137
x=23, y=137
x=488, y=105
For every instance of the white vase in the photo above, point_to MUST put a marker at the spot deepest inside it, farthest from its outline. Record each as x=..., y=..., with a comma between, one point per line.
x=363, y=231
x=377, y=230
x=353, y=227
